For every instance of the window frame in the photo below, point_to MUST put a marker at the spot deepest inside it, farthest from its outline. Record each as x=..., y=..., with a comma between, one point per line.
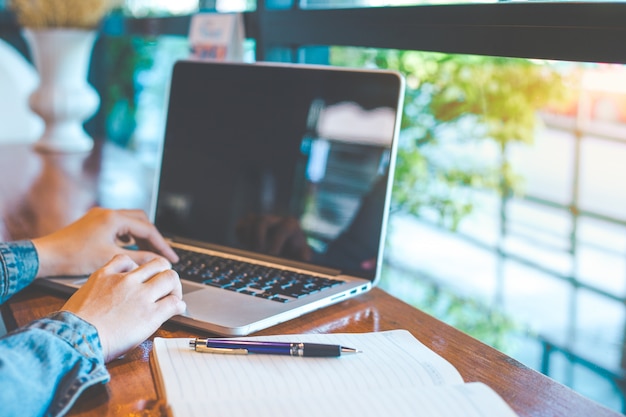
x=585, y=32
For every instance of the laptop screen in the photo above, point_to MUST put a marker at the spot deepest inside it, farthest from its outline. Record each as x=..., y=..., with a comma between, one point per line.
x=291, y=161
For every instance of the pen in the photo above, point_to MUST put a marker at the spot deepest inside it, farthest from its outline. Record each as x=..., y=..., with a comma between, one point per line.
x=244, y=347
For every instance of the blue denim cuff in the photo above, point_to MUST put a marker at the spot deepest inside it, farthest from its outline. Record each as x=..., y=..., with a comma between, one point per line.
x=90, y=369
x=19, y=264
x=78, y=333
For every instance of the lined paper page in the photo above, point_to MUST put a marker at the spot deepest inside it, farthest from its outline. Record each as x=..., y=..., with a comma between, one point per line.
x=467, y=400
x=389, y=359
x=393, y=365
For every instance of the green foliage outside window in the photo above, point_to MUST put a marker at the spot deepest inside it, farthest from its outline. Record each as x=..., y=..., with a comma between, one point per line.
x=469, y=103
x=464, y=100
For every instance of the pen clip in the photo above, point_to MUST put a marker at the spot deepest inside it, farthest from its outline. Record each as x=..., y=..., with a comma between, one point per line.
x=206, y=349
x=199, y=345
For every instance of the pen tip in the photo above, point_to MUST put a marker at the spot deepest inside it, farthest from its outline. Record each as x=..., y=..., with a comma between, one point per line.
x=350, y=350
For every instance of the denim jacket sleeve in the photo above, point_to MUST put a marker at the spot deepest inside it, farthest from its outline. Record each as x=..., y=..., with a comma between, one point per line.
x=18, y=267
x=47, y=364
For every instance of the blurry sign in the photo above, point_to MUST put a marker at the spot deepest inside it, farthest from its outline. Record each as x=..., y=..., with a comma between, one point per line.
x=218, y=36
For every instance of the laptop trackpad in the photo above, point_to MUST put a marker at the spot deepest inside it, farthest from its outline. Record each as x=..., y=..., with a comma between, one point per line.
x=189, y=287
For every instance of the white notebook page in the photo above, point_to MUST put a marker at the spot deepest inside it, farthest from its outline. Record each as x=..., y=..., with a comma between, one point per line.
x=394, y=373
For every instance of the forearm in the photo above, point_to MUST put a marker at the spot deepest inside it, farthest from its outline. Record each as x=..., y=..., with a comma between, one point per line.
x=48, y=364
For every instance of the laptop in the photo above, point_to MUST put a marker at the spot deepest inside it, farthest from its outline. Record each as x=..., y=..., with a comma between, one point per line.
x=274, y=188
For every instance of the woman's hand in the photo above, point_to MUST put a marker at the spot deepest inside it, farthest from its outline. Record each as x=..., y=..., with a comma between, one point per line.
x=127, y=303
x=90, y=242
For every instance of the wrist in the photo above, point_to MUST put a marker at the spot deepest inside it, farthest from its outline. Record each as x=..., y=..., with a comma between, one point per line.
x=48, y=261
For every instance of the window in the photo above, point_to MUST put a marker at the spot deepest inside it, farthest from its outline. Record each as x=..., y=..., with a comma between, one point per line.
x=514, y=130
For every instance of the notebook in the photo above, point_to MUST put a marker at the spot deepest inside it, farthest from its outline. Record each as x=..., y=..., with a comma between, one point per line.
x=394, y=375
x=274, y=187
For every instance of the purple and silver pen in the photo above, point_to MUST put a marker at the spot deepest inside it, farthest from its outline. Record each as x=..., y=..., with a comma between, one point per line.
x=244, y=347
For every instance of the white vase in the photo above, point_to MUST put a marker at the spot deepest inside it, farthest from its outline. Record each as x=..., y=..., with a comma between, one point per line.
x=64, y=99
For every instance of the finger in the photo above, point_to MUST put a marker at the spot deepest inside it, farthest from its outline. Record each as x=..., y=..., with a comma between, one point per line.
x=137, y=214
x=119, y=264
x=169, y=306
x=141, y=256
x=147, y=236
x=146, y=271
x=163, y=284
x=155, y=242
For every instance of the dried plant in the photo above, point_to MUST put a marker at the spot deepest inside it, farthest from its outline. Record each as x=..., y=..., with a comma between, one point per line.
x=40, y=14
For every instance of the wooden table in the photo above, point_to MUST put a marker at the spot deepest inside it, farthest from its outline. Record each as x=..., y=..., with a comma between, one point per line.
x=39, y=193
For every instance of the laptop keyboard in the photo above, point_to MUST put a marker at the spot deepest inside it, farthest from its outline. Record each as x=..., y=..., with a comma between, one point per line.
x=272, y=283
